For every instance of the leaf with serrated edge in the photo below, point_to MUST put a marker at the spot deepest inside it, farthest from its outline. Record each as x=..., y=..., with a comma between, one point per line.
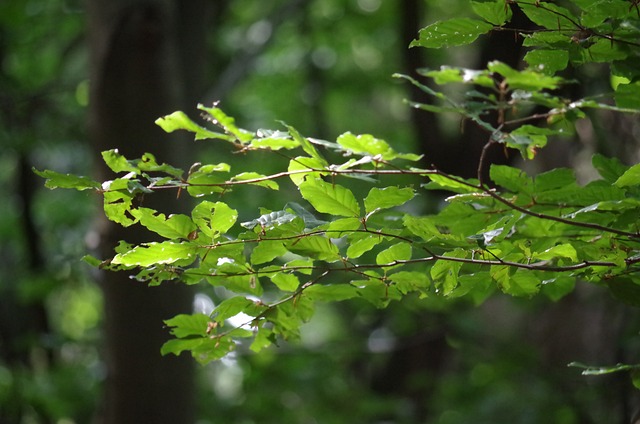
x=388, y=197
x=148, y=254
x=329, y=198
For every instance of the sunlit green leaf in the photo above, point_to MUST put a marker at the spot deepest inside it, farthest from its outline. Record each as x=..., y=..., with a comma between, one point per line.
x=366, y=144
x=57, y=180
x=361, y=243
x=388, y=197
x=398, y=252
x=317, y=247
x=153, y=253
x=496, y=12
x=231, y=307
x=302, y=167
x=565, y=250
x=525, y=79
x=117, y=162
x=266, y=251
x=214, y=218
x=184, y=325
x=257, y=179
x=330, y=198
x=285, y=281
x=180, y=121
x=227, y=123
x=274, y=140
x=454, y=32
x=631, y=177
x=172, y=227
x=177, y=346
x=307, y=146
x=456, y=185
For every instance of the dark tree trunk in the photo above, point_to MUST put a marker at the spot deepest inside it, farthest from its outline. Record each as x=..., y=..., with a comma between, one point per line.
x=137, y=75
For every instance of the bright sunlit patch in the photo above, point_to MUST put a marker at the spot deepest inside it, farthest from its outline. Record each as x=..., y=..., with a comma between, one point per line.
x=369, y=6
x=202, y=304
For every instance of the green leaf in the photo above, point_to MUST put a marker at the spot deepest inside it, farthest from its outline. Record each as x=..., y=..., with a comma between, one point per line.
x=307, y=146
x=180, y=121
x=554, y=179
x=561, y=250
x=148, y=254
x=184, y=325
x=214, y=219
x=496, y=12
x=558, y=287
x=148, y=163
x=388, y=197
x=549, y=15
x=57, y=180
x=366, y=144
x=330, y=293
x=525, y=79
x=262, y=180
x=92, y=260
x=227, y=123
x=177, y=346
x=454, y=32
x=398, y=252
x=519, y=283
x=263, y=339
x=631, y=177
x=316, y=247
x=609, y=168
x=343, y=225
x=547, y=61
x=409, y=281
x=173, y=227
x=273, y=140
x=270, y=220
x=445, y=272
x=512, y=179
x=360, y=243
x=206, y=180
x=118, y=202
x=231, y=307
x=422, y=227
x=448, y=74
x=286, y=281
x=456, y=185
x=117, y=162
x=301, y=168
x=266, y=251
x=329, y=198
x=628, y=95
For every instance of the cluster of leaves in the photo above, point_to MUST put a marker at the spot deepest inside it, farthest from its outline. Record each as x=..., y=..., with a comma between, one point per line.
x=537, y=234
x=518, y=234
x=585, y=31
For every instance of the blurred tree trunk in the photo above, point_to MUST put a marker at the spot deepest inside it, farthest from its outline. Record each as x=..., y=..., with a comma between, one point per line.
x=138, y=73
